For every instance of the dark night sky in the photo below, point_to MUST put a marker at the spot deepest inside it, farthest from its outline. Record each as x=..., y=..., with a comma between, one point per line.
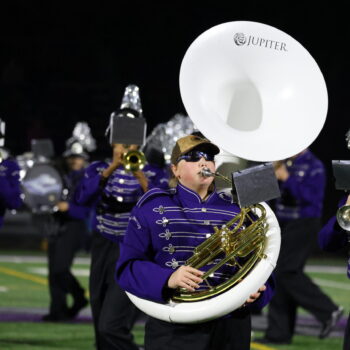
x=62, y=64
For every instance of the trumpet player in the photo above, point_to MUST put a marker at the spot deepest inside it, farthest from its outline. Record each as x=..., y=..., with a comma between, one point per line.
x=164, y=229
x=113, y=191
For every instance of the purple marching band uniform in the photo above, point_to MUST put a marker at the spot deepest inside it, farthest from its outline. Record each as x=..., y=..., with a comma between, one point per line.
x=165, y=227
x=75, y=210
x=179, y=222
x=9, y=187
x=65, y=239
x=303, y=192
x=298, y=211
x=116, y=197
x=113, y=198
x=332, y=238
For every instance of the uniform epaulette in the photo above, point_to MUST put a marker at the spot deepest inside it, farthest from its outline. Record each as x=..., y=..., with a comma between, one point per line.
x=154, y=192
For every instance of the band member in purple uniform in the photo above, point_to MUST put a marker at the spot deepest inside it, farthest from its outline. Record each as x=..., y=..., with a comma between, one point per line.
x=114, y=191
x=164, y=229
x=10, y=192
x=9, y=187
x=332, y=238
x=66, y=236
x=298, y=210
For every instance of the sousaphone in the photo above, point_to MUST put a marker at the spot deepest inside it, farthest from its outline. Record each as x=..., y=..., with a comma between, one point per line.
x=258, y=94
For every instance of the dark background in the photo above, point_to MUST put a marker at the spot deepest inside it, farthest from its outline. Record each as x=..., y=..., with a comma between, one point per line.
x=65, y=62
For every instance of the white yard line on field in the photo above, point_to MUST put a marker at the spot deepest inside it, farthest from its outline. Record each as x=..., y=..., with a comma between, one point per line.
x=44, y=271
x=327, y=269
x=327, y=283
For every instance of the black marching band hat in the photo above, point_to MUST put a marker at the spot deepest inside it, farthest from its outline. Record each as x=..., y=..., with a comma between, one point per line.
x=81, y=142
x=127, y=125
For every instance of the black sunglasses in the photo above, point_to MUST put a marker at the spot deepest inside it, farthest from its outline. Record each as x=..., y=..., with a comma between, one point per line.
x=195, y=156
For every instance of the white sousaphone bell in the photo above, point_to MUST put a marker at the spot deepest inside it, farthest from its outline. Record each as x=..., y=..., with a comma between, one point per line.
x=258, y=94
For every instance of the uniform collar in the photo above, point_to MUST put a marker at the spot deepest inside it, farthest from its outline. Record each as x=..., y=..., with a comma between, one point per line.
x=191, y=197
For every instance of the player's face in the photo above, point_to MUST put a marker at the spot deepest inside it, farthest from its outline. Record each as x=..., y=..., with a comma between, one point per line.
x=188, y=170
x=76, y=163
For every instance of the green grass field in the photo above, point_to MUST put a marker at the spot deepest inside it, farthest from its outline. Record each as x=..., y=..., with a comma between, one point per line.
x=23, y=285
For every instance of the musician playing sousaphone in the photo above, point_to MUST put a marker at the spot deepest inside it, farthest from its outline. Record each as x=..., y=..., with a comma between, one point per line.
x=114, y=188
x=164, y=229
x=10, y=192
x=234, y=90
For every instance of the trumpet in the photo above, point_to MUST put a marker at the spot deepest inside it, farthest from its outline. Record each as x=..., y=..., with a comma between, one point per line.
x=134, y=160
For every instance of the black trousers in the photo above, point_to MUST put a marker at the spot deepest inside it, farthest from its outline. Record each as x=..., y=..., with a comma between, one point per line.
x=293, y=287
x=113, y=313
x=225, y=334
x=62, y=248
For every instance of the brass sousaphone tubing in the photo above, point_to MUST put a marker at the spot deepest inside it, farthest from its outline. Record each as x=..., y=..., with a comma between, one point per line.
x=238, y=242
